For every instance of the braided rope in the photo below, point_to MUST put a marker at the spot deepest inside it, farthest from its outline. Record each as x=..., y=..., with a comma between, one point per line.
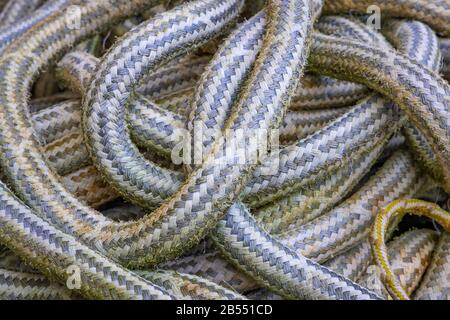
x=445, y=48
x=434, y=13
x=52, y=252
x=435, y=285
x=377, y=236
x=423, y=93
x=276, y=266
x=32, y=285
x=23, y=286
x=14, y=11
x=330, y=225
x=189, y=286
x=214, y=267
x=146, y=91
x=166, y=130
x=8, y=33
x=410, y=254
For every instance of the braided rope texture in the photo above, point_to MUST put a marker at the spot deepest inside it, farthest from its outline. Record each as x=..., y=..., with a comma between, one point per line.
x=224, y=149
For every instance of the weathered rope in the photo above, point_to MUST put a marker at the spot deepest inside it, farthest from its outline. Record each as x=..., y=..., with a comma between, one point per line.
x=377, y=236
x=148, y=119
x=409, y=254
x=434, y=285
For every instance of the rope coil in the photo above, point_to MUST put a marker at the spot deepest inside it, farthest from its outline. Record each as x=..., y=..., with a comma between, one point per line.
x=214, y=84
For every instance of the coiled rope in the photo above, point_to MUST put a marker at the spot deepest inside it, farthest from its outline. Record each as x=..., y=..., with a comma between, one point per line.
x=142, y=102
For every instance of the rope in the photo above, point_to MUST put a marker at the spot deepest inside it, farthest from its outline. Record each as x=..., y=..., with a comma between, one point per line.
x=146, y=122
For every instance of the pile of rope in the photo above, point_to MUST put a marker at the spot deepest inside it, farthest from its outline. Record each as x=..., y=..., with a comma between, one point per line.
x=224, y=149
